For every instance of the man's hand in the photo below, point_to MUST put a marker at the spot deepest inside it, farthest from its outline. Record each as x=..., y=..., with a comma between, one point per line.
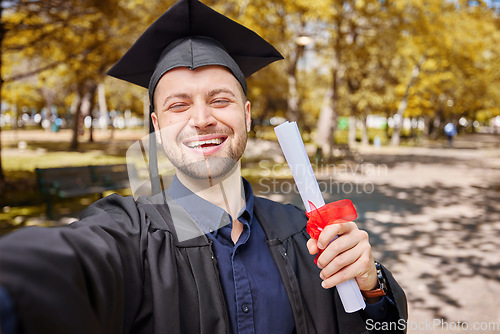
x=348, y=256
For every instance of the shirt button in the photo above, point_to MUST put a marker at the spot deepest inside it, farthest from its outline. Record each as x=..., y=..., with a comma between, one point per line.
x=245, y=308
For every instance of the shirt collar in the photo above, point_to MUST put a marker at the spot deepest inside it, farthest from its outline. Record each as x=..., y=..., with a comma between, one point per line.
x=246, y=213
x=209, y=216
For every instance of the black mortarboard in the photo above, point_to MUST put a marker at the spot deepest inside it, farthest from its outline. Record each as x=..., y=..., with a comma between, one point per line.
x=191, y=34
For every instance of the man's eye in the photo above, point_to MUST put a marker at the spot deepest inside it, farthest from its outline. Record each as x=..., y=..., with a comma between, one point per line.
x=220, y=102
x=178, y=107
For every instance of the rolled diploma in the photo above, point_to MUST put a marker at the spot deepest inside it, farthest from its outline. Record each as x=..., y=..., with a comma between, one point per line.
x=295, y=154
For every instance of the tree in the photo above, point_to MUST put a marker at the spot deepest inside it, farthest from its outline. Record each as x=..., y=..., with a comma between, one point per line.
x=456, y=78
x=31, y=28
x=86, y=39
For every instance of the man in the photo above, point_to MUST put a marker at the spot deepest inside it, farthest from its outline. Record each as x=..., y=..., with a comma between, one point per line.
x=204, y=255
x=450, y=132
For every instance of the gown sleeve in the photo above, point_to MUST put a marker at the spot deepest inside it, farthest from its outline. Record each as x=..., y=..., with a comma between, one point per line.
x=82, y=278
x=8, y=317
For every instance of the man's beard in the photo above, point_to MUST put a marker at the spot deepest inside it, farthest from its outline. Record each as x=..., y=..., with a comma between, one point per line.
x=208, y=167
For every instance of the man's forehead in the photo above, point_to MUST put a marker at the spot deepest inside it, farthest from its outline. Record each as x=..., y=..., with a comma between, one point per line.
x=179, y=79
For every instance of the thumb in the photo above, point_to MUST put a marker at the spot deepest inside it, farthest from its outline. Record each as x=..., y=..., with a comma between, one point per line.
x=312, y=246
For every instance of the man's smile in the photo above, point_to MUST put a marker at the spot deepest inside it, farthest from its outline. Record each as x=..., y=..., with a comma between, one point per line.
x=206, y=144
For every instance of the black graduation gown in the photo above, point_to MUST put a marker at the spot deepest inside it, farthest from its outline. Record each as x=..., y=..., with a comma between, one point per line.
x=123, y=269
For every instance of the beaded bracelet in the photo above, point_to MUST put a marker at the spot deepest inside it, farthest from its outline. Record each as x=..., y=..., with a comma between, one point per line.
x=382, y=289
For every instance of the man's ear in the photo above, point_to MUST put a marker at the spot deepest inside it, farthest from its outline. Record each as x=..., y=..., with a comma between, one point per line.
x=156, y=125
x=248, y=115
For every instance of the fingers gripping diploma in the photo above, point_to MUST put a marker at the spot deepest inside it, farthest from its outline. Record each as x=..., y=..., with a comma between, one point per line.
x=344, y=251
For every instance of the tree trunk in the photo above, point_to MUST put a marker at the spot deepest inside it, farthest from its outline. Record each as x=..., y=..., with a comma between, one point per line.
x=48, y=95
x=292, y=113
x=103, y=106
x=335, y=98
x=87, y=106
x=112, y=132
x=413, y=131
x=327, y=123
x=91, y=128
x=76, y=111
x=325, y=126
x=404, y=103
x=427, y=127
x=474, y=117
x=292, y=99
x=352, y=130
x=365, y=141
x=436, y=124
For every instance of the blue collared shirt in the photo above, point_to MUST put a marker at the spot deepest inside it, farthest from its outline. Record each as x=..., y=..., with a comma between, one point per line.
x=254, y=292
x=255, y=295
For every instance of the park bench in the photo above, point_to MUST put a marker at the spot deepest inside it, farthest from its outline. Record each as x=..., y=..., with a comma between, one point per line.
x=70, y=182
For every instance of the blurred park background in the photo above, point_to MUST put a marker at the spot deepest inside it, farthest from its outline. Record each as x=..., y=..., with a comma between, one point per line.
x=371, y=83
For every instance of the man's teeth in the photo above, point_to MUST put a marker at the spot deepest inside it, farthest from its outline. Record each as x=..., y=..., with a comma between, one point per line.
x=199, y=143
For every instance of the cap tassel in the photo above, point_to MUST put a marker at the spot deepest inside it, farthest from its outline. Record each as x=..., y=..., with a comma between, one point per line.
x=153, y=160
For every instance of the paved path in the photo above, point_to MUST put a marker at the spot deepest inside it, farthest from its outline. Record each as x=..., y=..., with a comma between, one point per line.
x=434, y=219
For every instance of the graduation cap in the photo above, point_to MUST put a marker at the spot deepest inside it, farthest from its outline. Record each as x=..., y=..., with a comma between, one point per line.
x=191, y=34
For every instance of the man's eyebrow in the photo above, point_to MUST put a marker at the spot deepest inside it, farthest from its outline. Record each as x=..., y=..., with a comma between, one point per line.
x=170, y=97
x=221, y=90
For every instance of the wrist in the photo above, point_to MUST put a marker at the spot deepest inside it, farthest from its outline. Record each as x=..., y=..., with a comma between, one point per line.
x=379, y=290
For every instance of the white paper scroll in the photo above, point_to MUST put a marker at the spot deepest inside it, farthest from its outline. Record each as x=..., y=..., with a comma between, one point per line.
x=295, y=154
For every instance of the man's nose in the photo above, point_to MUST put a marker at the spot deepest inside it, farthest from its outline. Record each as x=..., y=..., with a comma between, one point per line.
x=201, y=117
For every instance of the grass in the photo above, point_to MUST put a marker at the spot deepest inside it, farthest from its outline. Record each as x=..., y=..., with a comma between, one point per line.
x=29, y=160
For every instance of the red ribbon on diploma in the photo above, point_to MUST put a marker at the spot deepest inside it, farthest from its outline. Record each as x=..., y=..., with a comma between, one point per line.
x=332, y=213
